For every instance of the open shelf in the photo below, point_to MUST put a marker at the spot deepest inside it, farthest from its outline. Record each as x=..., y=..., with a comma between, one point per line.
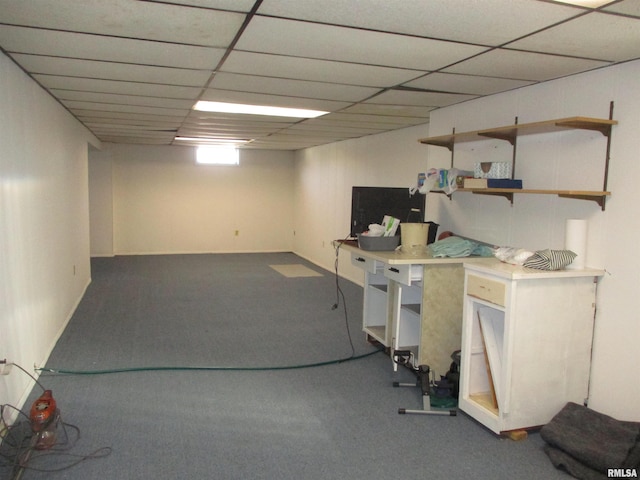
x=510, y=132
x=596, y=196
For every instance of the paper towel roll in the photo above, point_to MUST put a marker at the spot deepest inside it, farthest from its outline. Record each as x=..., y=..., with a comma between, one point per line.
x=575, y=239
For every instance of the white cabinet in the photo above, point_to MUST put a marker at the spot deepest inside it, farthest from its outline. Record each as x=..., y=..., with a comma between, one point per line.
x=526, y=343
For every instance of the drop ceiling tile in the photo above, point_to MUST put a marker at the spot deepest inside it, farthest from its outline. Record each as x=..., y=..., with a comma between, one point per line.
x=93, y=47
x=523, y=65
x=72, y=67
x=293, y=88
x=232, y=5
x=125, y=117
x=486, y=22
x=124, y=18
x=627, y=7
x=213, y=118
x=117, y=87
x=114, y=107
x=74, y=95
x=470, y=84
x=309, y=126
x=282, y=66
x=425, y=99
x=272, y=100
x=136, y=140
x=92, y=122
x=415, y=111
x=611, y=38
x=370, y=121
x=328, y=42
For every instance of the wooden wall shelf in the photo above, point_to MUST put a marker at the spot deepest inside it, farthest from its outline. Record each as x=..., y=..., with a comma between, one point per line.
x=510, y=134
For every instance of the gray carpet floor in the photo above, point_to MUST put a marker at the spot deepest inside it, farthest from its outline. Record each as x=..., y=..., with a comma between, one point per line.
x=234, y=371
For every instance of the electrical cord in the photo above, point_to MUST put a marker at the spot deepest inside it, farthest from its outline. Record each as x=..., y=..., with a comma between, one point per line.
x=19, y=449
x=32, y=377
x=340, y=294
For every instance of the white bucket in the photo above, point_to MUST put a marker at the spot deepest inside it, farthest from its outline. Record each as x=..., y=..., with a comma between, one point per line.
x=414, y=236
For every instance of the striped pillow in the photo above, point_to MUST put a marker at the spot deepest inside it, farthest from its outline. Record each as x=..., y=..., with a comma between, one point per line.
x=550, y=259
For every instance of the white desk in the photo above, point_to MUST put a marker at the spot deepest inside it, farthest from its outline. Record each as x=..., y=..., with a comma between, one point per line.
x=413, y=302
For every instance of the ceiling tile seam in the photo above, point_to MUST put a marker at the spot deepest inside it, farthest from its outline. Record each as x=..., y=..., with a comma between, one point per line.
x=120, y=37
x=228, y=51
x=163, y=97
x=374, y=30
x=325, y=82
x=87, y=59
x=199, y=7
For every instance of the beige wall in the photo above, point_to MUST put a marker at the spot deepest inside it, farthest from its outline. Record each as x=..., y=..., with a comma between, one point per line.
x=164, y=203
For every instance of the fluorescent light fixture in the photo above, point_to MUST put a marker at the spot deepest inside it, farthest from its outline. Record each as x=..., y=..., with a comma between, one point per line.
x=214, y=140
x=217, y=155
x=222, y=107
x=586, y=3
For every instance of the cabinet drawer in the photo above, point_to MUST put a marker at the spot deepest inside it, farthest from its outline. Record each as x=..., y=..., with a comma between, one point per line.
x=365, y=263
x=486, y=289
x=404, y=274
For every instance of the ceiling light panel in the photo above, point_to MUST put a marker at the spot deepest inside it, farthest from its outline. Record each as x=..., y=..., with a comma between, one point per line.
x=486, y=22
x=257, y=109
x=124, y=18
x=229, y=96
x=586, y=3
x=327, y=42
x=294, y=88
x=282, y=66
x=92, y=47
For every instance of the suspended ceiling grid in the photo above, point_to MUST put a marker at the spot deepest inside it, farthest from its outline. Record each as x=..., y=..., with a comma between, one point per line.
x=131, y=70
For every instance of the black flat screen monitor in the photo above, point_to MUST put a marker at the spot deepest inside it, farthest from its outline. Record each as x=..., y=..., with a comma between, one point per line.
x=370, y=205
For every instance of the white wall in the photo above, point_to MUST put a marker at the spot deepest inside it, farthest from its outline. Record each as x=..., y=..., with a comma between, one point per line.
x=44, y=224
x=571, y=159
x=101, y=203
x=162, y=202
x=325, y=175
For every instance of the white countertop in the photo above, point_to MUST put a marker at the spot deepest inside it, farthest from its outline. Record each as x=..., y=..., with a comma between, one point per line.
x=490, y=265
x=399, y=257
x=512, y=272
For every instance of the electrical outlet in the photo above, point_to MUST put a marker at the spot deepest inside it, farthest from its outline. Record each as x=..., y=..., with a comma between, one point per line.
x=5, y=367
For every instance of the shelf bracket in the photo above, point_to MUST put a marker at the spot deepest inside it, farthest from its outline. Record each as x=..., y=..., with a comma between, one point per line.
x=600, y=200
x=509, y=136
x=507, y=195
x=603, y=129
